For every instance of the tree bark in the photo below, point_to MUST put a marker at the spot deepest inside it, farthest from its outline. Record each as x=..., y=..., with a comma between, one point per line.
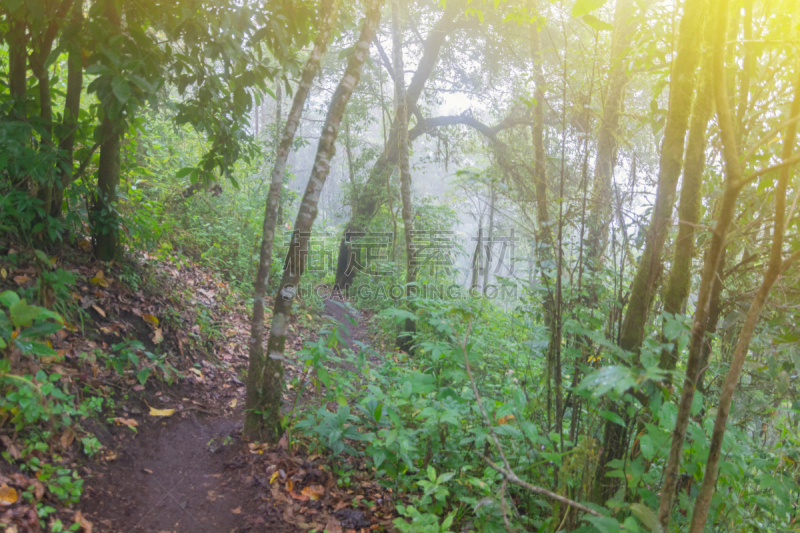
x=406, y=338
x=680, y=275
x=69, y=123
x=103, y=216
x=264, y=385
x=257, y=378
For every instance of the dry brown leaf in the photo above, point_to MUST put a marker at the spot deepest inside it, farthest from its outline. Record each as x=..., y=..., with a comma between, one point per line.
x=85, y=524
x=238, y=510
x=8, y=495
x=99, y=310
x=130, y=422
x=314, y=492
x=158, y=336
x=234, y=402
x=67, y=438
x=21, y=280
x=12, y=450
x=38, y=490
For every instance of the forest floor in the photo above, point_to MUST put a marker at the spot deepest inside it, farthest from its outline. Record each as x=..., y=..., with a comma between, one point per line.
x=172, y=459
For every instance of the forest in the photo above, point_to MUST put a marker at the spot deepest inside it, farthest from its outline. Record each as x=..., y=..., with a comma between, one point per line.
x=415, y=266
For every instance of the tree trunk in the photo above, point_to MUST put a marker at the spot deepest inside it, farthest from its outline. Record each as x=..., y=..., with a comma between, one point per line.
x=17, y=58
x=406, y=338
x=257, y=376
x=264, y=382
x=487, y=274
x=103, y=216
x=69, y=124
x=777, y=265
x=733, y=180
x=643, y=288
x=372, y=191
x=601, y=201
x=680, y=275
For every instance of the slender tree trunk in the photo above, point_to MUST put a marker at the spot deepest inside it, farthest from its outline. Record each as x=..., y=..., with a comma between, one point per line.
x=350, y=169
x=601, y=201
x=715, y=310
x=406, y=338
x=69, y=123
x=733, y=177
x=103, y=216
x=680, y=275
x=643, y=288
x=777, y=265
x=487, y=269
x=258, y=378
x=373, y=190
x=264, y=382
x=17, y=58
x=476, y=258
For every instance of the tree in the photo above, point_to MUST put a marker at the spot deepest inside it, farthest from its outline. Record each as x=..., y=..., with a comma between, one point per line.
x=263, y=405
x=327, y=12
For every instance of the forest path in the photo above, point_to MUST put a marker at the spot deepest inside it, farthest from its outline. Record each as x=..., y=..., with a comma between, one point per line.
x=191, y=472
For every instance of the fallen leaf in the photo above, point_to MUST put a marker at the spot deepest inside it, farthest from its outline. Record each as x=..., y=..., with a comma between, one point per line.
x=130, y=422
x=85, y=524
x=67, y=438
x=85, y=245
x=8, y=495
x=21, y=280
x=99, y=279
x=4, y=273
x=99, y=310
x=150, y=319
x=196, y=371
x=314, y=492
x=38, y=490
x=299, y=497
x=157, y=336
x=138, y=388
x=234, y=402
x=274, y=476
x=161, y=412
x=12, y=450
x=147, y=471
x=238, y=510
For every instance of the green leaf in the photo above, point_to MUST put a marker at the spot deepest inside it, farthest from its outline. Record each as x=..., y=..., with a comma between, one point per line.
x=647, y=516
x=324, y=377
x=597, y=24
x=604, y=524
x=378, y=413
x=448, y=521
x=399, y=314
x=406, y=390
x=9, y=298
x=23, y=315
x=584, y=7
x=613, y=417
x=121, y=89
x=432, y=474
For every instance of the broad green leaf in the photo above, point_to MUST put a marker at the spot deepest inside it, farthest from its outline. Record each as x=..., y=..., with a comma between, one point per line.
x=121, y=89
x=613, y=417
x=23, y=315
x=647, y=516
x=9, y=298
x=584, y=7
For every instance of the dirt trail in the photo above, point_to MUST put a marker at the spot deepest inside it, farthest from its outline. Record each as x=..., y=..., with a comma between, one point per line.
x=188, y=473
